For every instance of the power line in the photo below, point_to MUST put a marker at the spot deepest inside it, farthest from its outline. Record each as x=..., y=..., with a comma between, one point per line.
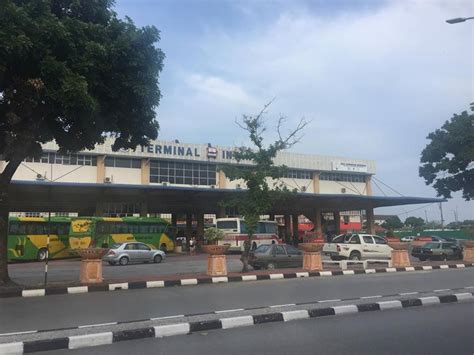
x=375, y=182
x=416, y=209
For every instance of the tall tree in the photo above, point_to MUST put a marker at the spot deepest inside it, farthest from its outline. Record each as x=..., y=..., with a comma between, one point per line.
x=414, y=222
x=73, y=72
x=261, y=176
x=392, y=223
x=448, y=160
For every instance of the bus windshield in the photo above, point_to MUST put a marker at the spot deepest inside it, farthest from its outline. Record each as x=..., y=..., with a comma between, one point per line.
x=226, y=224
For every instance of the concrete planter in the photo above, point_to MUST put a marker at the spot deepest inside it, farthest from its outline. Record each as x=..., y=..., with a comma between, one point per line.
x=400, y=257
x=216, y=260
x=312, y=260
x=468, y=251
x=91, y=264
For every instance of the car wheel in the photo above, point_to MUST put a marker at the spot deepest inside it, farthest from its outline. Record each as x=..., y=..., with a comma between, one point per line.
x=123, y=261
x=41, y=256
x=355, y=255
x=422, y=259
x=270, y=266
x=163, y=247
x=111, y=263
x=157, y=259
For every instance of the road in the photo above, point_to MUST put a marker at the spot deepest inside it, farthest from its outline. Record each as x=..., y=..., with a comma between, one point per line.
x=32, y=273
x=445, y=329
x=56, y=311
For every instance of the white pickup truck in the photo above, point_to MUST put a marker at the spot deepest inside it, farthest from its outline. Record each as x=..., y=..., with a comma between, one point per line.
x=357, y=247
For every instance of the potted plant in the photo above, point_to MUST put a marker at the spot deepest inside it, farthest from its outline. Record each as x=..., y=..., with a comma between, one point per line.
x=312, y=242
x=211, y=238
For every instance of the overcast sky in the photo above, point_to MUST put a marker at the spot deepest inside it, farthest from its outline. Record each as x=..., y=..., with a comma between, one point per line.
x=374, y=77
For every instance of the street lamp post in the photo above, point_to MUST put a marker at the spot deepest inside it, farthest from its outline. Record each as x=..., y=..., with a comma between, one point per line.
x=458, y=20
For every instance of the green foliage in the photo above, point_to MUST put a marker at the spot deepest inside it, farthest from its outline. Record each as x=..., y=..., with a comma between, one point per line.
x=70, y=71
x=392, y=223
x=414, y=222
x=257, y=170
x=212, y=235
x=447, y=161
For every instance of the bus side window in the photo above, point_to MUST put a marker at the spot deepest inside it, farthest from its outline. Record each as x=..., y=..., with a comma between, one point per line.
x=13, y=228
x=144, y=228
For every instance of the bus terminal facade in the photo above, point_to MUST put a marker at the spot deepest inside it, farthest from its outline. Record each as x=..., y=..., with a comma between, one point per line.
x=185, y=181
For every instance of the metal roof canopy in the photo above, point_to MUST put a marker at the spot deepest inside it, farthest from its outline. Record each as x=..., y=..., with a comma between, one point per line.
x=43, y=196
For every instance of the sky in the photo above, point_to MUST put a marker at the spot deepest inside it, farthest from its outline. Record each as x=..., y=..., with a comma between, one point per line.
x=373, y=77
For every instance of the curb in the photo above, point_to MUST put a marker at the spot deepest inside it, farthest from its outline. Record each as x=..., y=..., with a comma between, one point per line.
x=107, y=338
x=214, y=280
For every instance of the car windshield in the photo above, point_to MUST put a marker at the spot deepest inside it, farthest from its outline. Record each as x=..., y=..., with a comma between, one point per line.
x=431, y=245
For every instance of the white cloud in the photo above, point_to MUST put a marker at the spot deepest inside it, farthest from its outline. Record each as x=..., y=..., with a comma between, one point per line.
x=375, y=83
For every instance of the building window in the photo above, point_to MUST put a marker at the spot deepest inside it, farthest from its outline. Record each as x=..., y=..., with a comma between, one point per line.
x=122, y=163
x=182, y=173
x=64, y=159
x=298, y=174
x=342, y=177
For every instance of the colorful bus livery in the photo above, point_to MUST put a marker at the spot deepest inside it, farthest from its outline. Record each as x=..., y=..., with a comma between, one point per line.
x=151, y=231
x=27, y=237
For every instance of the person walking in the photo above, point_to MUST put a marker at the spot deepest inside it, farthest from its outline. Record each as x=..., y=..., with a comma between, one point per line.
x=192, y=246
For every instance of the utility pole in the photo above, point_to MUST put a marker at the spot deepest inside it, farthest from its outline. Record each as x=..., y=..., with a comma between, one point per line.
x=441, y=211
x=426, y=217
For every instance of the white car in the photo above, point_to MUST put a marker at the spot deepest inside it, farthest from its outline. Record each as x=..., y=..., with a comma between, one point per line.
x=357, y=247
x=408, y=238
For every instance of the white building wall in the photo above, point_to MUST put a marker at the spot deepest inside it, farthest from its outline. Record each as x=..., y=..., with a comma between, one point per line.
x=60, y=173
x=333, y=187
x=123, y=175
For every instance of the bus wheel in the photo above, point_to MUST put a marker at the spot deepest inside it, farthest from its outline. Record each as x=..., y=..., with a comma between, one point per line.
x=123, y=261
x=41, y=256
x=163, y=247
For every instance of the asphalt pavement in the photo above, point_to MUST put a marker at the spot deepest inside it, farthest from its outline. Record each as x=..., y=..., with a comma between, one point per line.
x=445, y=329
x=56, y=311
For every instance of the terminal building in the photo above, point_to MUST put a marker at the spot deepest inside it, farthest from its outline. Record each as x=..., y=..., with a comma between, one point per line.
x=181, y=179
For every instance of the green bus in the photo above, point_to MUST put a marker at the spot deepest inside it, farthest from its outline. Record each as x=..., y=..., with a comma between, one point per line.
x=27, y=236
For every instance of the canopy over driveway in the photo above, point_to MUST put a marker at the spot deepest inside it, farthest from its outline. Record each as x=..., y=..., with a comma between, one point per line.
x=85, y=198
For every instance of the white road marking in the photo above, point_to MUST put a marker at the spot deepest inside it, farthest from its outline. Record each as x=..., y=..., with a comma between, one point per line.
x=367, y=297
x=429, y=300
x=466, y=296
x=189, y=282
x=302, y=274
x=276, y=276
x=97, y=325
x=444, y=266
x=168, y=317
x=283, y=305
x=409, y=268
x=351, y=308
x=230, y=310
x=235, y=322
x=171, y=329
x=19, y=333
x=219, y=279
x=442, y=290
x=151, y=284
x=294, y=315
x=87, y=340
x=348, y=272
x=389, y=305
x=11, y=348
x=78, y=289
x=427, y=267
x=249, y=277
x=33, y=293
x=334, y=300
x=408, y=293
x=118, y=286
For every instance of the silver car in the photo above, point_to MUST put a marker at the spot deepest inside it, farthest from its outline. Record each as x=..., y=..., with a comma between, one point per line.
x=124, y=253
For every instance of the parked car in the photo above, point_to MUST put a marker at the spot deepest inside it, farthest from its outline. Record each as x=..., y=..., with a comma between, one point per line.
x=408, y=238
x=271, y=256
x=357, y=247
x=437, y=250
x=428, y=238
x=124, y=253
